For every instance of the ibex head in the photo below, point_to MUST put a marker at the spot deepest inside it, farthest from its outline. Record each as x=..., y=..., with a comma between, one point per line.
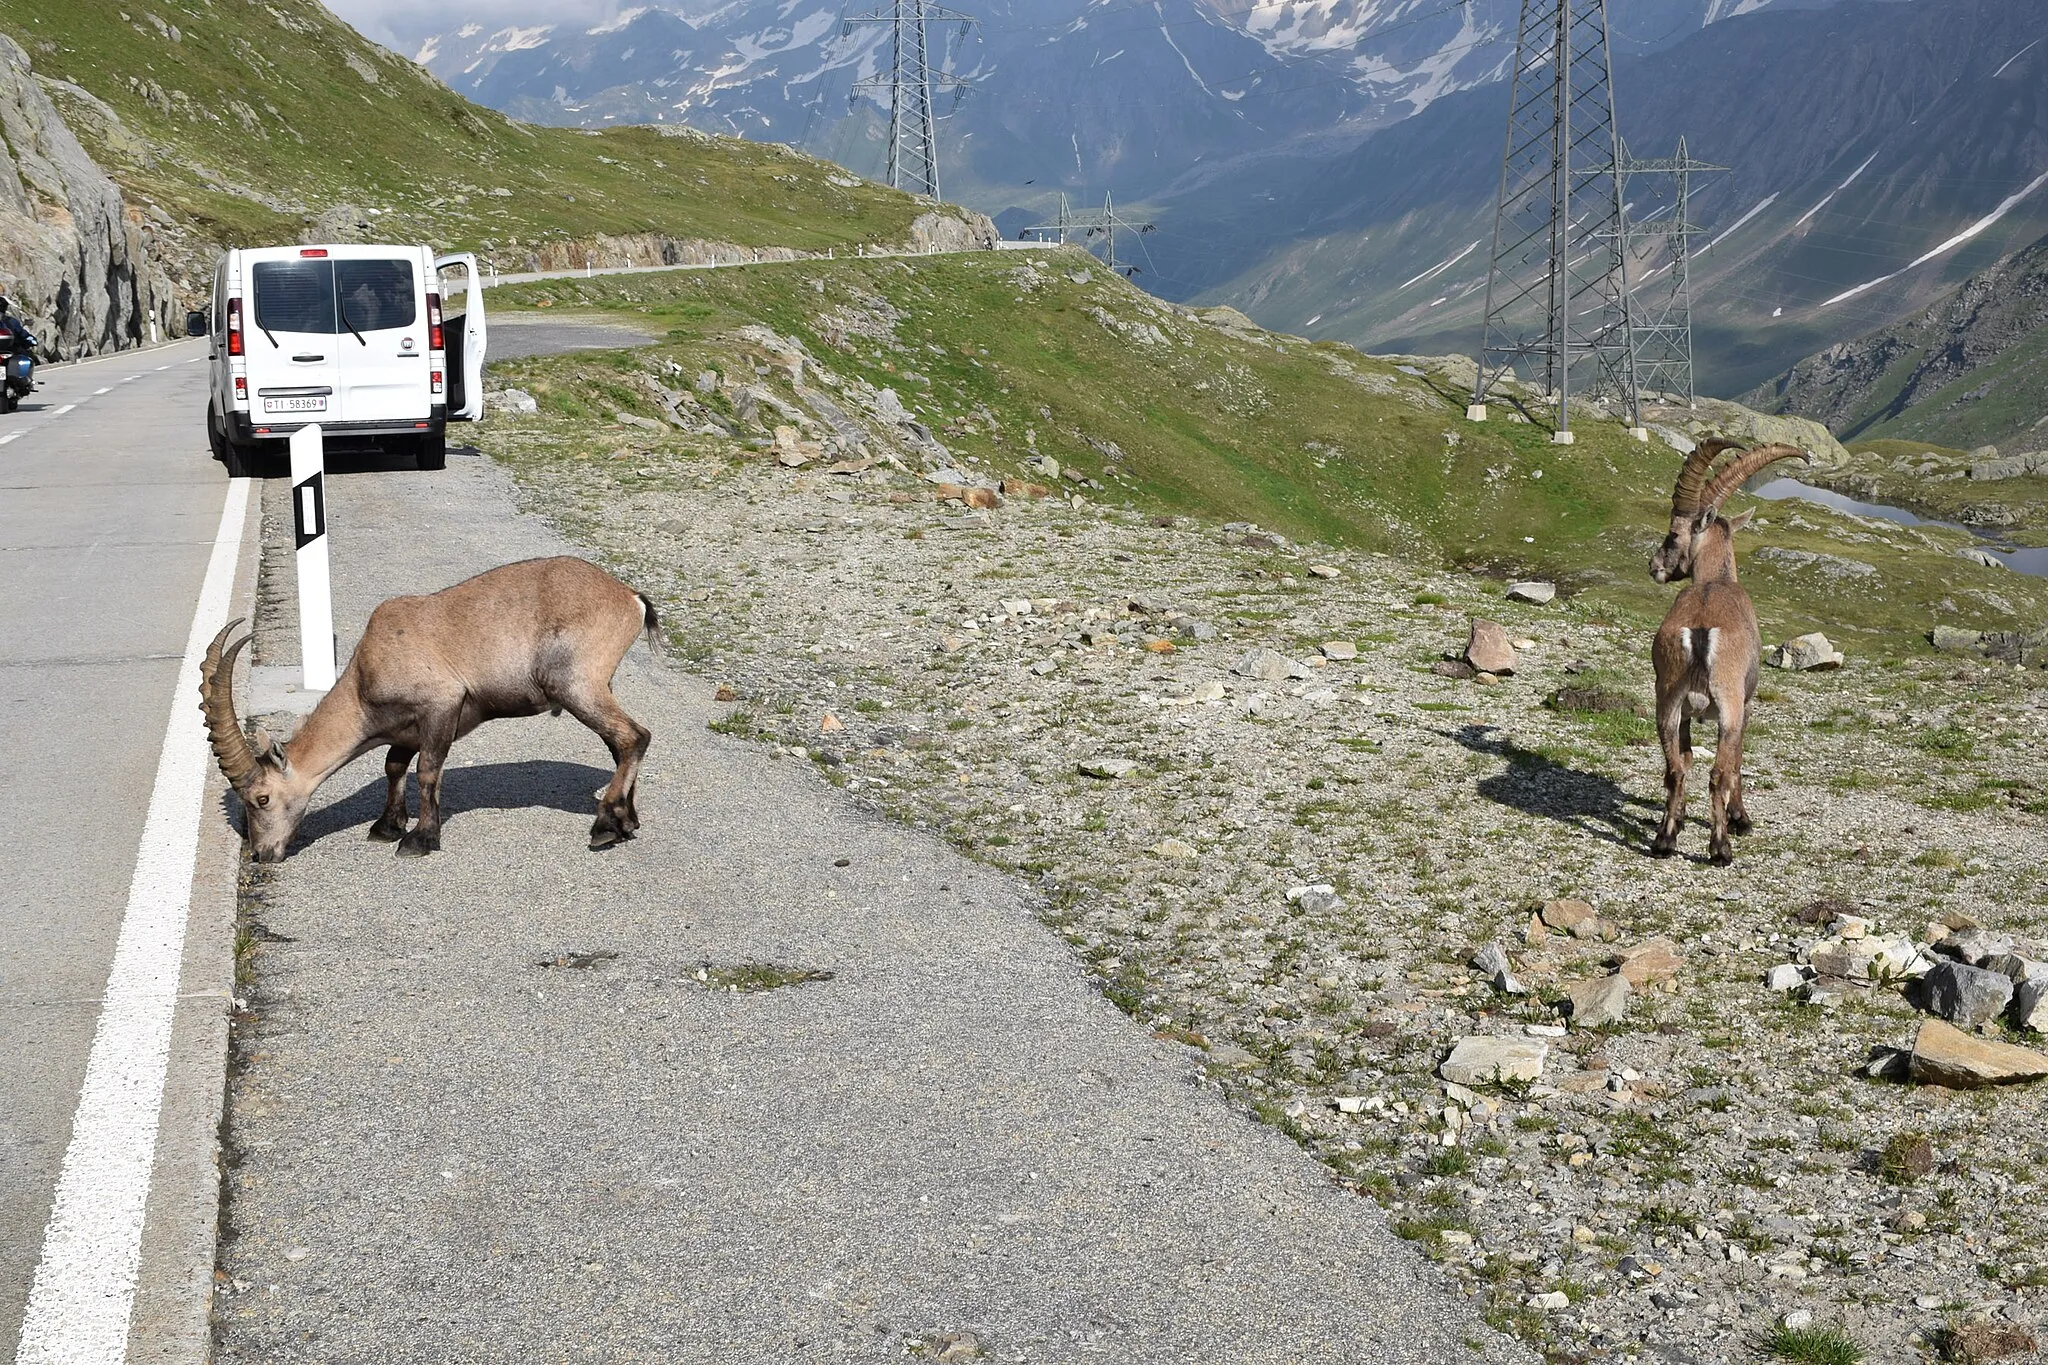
x=1696, y=502
x=260, y=772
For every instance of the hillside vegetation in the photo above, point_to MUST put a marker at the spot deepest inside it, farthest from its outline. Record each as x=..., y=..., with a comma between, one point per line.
x=240, y=121
x=1005, y=359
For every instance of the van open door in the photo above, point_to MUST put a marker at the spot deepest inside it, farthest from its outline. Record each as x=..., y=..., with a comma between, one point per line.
x=465, y=335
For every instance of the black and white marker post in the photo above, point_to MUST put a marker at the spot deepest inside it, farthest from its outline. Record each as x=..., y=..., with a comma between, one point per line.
x=309, y=527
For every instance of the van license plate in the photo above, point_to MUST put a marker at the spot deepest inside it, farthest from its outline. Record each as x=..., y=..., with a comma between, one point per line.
x=316, y=404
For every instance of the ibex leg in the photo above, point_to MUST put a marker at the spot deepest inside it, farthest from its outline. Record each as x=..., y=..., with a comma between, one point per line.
x=1674, y=728
x=1726, y=784
x=390, y=826
x=437, y=735
x=617, y=814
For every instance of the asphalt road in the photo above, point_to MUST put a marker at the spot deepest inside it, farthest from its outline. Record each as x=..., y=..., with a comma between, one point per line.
x=487, y=1112
x=108, y=516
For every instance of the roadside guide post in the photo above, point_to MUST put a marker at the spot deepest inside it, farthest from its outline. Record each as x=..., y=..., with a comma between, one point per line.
x=309, y=531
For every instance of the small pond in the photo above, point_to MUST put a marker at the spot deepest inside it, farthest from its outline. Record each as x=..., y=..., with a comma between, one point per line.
x=2026, y=561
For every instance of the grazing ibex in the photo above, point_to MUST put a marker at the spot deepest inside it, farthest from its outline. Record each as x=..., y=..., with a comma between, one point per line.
x=540, y=635
x=1706, y=652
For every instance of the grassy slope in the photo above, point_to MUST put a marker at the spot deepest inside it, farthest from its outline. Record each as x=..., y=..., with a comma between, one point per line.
x=2001, y=402
x=1313, y=440
x=264, y=113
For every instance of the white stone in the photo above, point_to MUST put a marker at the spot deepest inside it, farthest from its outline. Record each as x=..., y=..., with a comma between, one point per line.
x=1788, y=976
x=1481, y=1060
x=1536, y=593
x=1556, y=1298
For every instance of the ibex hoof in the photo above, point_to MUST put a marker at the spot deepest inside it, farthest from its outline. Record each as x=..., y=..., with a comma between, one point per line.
x=1722, y=857
x=417, y=845
x=381, y=833
x=1740, y=824
x=1662, y=850
x=604, y=838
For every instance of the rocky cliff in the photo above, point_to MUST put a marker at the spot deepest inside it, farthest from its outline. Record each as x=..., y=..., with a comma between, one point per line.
x=1968, y=371
x=73, y=256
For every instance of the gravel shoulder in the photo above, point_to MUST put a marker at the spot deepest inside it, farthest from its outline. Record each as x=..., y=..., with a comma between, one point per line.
x=521, y=1101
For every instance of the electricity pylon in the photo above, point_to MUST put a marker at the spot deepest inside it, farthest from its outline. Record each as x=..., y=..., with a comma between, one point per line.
x=1107, y=223
x=1662, y=312
x=913, y=131
x=1557, y=298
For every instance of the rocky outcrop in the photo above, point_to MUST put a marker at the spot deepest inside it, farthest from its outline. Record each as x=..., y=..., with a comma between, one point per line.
x=73, y=256
x=953, y=229
x=644, y=248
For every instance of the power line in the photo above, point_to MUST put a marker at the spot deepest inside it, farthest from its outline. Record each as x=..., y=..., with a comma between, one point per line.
x=913, y=132
x=1662, y=322
x=1106, y=223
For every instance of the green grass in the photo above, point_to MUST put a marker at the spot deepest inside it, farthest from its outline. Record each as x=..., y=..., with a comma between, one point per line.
x=1812, y=1345
x=261, y=115
x=1313, y=440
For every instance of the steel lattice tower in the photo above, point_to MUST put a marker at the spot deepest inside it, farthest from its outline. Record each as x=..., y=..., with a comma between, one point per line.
x=913, y=131
x=1557, y=299
x=1662, y=314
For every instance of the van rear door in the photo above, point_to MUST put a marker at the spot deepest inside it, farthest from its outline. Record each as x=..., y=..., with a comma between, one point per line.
x=465, y=335
x=294, y=365
x=380, y=316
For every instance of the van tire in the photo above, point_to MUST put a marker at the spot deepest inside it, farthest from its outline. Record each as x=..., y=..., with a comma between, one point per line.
x=432, y=450
x=242, y=459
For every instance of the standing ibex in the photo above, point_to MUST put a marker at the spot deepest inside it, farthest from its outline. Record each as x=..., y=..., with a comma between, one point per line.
x=1708, y=648
x=540, y=635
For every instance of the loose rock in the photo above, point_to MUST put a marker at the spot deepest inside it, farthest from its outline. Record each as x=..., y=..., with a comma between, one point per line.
x=1538, y=594
x=1485, y=1060
x=1108, y=769
x=1603, y=1000
x=1806, y=654
x=1488, y=650
x=1269, y=665
x=1967, y=996
x=1945, y=1055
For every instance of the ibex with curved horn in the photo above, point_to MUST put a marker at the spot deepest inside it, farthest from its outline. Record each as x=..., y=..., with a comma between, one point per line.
x=1706, y=652
x=540, y=635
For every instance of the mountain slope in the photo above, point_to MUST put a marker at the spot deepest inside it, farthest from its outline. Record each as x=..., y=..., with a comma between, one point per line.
x=1861, y=137
x=239, y=121
x=1971, y=370
x=1085, y=95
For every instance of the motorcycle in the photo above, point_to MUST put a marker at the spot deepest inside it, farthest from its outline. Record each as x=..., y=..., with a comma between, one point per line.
x=18, y=373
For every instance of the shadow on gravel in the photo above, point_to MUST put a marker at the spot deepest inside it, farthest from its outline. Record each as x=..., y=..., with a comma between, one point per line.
x=1537, y=785
x=487, y=786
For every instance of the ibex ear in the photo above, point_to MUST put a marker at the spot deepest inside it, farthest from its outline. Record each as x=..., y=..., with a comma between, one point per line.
x=268, y=751
x=1704, y=519
x=1741, y=519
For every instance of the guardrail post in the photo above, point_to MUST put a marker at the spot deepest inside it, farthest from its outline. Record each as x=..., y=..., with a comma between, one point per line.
x=309, y=532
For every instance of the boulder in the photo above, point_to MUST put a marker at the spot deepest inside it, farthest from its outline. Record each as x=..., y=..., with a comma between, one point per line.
x=1651, y=962
x=1269, y=665
x=1805, y=654
x=1945, y=1055
x=1534, y=593
x=1967, y=996
x=76, y=265
x=1975, y=945
x=2030, y=1005
x=1485, y=1060
x=1487, y=649
x=1107, y=769
x=1339, y=651
x=1566, y=915
x=1603, y=1000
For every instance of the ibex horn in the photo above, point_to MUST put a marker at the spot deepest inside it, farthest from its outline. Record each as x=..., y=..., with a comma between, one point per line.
x=1685, y=498
x=238, y=762
x=1743, y=468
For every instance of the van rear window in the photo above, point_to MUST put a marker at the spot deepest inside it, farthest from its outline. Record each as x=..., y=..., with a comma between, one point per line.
x=326, y=296
x=295, y=296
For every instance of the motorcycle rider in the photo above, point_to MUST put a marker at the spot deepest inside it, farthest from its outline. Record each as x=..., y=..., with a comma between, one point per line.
x=13, y=336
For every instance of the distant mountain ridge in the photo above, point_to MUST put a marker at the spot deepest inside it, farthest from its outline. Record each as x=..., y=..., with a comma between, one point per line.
x=1972, y=370
x=1863, y=138
x=1125, y=95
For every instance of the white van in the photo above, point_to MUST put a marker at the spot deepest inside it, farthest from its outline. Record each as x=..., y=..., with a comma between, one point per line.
x=349, y=336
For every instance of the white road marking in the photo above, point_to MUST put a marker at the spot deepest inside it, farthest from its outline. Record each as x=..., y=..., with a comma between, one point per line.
x=10, y=436
x=84, y=1290
x=61, y=411
x=161, y=368
x=108, y=389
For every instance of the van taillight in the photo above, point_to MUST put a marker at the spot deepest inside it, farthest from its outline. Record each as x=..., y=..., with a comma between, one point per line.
x=314, y=251
x=234, y=326
x=434, y=341
x=437, y=381
x=241, y=389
